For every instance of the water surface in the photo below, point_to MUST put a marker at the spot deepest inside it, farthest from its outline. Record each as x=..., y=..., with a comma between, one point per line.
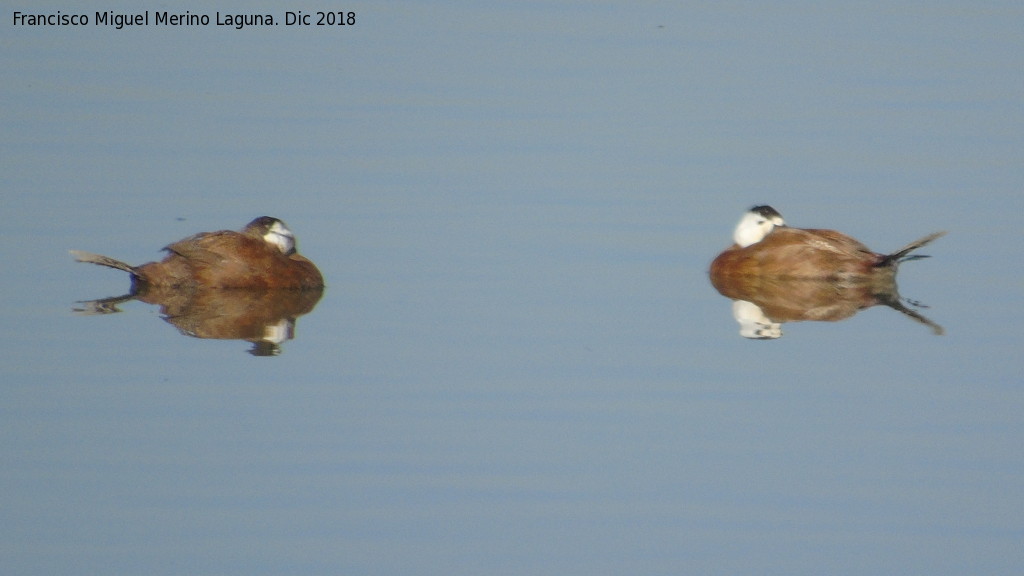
x=519, y=365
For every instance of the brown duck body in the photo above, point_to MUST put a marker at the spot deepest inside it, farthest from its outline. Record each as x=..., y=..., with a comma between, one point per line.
x=764, y=246
x=801, y=254
x=224, y=259
x=775, y=273
x=228, y=259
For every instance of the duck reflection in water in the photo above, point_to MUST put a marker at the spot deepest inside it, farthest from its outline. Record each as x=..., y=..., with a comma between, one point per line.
x=250, y=285
x=777, y=274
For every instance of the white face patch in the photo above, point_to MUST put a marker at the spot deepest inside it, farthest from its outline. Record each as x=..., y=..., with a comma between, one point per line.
x=753, y=323
x=279, y=235
x=753, y=227
x=279, y=332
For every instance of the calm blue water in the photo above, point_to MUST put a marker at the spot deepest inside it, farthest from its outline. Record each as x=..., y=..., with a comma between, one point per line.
x=519, y=366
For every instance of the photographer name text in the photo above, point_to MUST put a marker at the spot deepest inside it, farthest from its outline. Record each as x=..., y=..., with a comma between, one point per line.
x=122, y=20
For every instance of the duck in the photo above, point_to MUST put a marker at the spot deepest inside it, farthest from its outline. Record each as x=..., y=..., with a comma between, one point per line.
x=765, y=246
x=262, y=255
